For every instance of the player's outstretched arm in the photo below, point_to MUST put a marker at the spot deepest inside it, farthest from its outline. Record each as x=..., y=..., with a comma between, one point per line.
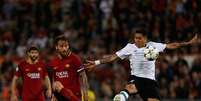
x=180, y=44
x=13, y=89
x=84, y=85
x=107, y=59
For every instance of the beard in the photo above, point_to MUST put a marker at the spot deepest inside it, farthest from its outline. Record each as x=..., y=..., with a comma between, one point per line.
x=64, y=53
x=33, y=58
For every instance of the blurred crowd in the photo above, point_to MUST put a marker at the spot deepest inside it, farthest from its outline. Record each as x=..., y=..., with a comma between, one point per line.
x=96, y=28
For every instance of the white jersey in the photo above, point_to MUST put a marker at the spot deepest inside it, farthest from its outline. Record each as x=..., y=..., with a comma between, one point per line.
x=140, y=66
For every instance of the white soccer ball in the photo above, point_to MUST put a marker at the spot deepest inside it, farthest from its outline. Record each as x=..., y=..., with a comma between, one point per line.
x=119, y=97
x=151, y=53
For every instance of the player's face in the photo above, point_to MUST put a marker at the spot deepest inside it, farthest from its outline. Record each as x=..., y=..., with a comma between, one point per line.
x=62, y=47
x=33, y=55
x=140, y=40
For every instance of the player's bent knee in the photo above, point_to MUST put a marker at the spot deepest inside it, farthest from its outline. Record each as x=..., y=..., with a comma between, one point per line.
x=153, y=99
x=131, y=88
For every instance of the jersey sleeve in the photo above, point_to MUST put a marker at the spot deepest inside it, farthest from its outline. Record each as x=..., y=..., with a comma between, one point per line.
x=78, y=64
x=124, y=52
x=160, y=46
x=18, y=71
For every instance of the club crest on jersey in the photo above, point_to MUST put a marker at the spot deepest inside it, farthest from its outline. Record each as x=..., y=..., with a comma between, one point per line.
x=39, y=68
x=67, y=66
x=26, y=70
x=54, y=68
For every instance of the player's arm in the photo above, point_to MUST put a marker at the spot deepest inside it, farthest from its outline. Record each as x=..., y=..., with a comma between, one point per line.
x=84, y=84
x=180, y=44
x=13, y=88
x=48, y=86
x=106, y=59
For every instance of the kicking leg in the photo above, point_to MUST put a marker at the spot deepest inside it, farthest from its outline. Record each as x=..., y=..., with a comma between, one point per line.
x=124, y=95
x=152, y=99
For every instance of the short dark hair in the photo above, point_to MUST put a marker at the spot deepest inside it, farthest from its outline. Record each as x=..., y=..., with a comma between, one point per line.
x=32, y=48
x=60, y=38
x=141, y=31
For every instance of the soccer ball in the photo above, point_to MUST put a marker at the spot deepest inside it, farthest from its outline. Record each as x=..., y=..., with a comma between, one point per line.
x=151, y=53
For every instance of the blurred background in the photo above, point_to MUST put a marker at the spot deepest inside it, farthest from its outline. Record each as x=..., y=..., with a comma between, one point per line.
x=98, y=27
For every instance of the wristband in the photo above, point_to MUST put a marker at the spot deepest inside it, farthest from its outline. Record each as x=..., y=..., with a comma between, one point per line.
x=97, y=62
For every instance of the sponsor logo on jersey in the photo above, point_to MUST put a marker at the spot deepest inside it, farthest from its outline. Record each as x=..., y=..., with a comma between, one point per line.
x=62, y=74
x=33, y=75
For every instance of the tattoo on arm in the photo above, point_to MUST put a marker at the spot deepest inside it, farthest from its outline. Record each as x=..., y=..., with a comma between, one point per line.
x=84, y=84
x=109, y=58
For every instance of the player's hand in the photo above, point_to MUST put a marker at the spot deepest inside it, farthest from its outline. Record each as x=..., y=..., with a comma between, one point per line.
x=53, y=98
x=90, y=65
x=85, y=97
x=49, y=93
x=14, y=98
x=57, y=86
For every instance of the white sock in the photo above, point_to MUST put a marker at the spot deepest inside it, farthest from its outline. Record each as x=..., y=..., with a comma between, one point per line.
x=125, y=94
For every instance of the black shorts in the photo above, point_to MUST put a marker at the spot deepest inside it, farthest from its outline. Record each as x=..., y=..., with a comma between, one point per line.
x=147, y=88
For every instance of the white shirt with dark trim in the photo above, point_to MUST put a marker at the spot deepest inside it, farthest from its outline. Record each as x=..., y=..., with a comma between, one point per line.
x=140, y=66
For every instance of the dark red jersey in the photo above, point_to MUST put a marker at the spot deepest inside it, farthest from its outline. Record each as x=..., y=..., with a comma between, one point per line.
x=33, y=80
x=66, y=70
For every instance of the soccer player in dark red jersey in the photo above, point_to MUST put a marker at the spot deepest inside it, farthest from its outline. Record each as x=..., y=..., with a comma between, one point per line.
x=34, y=76
x=69, y=77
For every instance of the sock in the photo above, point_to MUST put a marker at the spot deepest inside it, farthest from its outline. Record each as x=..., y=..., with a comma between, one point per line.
x=125, y=93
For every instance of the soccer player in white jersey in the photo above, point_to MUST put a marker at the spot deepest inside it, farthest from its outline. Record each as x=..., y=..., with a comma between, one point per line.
x=142, y=78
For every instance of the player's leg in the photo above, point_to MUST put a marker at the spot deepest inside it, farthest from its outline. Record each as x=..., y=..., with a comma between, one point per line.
x=130, y=89
x=152, y=99
x=124, y=94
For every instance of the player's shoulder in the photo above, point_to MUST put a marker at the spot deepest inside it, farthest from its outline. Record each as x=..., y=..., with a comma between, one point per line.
x=75, y=56
x=22, y=63
x=155, y=43
x=131, y=45
x=53, y=61
x=54, y=58
x=41, y=62
x=152, y=43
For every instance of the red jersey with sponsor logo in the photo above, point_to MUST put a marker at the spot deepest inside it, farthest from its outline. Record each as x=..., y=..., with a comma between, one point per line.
x=66, y=70
x=33, y=76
